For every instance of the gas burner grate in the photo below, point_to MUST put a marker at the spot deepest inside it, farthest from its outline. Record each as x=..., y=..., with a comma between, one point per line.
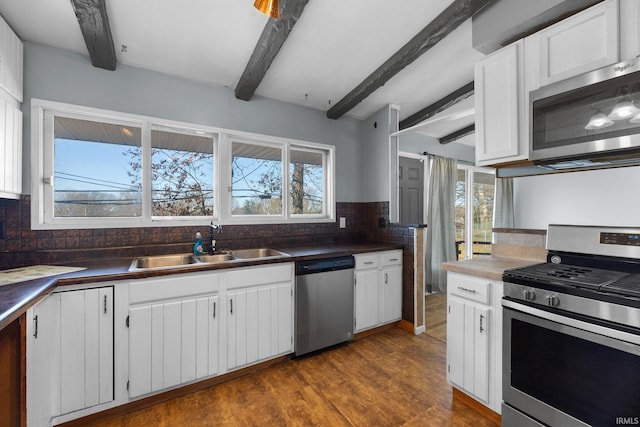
x=569, y=275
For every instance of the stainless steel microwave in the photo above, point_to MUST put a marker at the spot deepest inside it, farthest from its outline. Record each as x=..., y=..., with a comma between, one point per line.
x=588, y=121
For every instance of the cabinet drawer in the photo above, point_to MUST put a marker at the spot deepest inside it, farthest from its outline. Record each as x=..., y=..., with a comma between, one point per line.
x=473, y=288
x=391, y=258
x=173, y=287
x=367, y=261
x=254, y=276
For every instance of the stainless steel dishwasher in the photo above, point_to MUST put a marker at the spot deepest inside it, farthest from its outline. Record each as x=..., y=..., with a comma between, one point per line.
x=324, y=303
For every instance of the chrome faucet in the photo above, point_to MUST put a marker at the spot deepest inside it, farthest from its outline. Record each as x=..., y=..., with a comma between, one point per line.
x=212, y=246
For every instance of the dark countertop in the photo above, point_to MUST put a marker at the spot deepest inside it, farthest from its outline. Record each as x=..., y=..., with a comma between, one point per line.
x=17, y=298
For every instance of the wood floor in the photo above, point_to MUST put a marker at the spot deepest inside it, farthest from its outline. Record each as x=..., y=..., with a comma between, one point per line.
x=436, y=316
x=391, y=378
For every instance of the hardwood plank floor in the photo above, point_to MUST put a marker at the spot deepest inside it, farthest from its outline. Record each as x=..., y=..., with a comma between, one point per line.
x=391, y=378
x=436, y=316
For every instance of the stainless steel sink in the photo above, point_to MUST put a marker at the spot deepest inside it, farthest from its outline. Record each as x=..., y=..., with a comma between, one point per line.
x=163, y=261
x=215, y=258
x=182, y=260
x=258, y=253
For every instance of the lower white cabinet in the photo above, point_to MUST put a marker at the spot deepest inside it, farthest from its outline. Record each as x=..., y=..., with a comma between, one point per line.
x=259, y=314
x=70, y=343
x=378, y=288
x=474, y=337
x=174, y=329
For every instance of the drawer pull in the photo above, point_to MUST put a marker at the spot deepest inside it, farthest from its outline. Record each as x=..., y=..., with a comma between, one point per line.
x=393, y=259
x=368, y=262
x=471, y=291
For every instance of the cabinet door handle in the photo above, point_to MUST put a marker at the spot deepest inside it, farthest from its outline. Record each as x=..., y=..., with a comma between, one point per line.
x=214, y=309
x=35, y=326
x=471, y=291
x=386, y=278
x=231, y=300
x=105, y=304
x=481, y=320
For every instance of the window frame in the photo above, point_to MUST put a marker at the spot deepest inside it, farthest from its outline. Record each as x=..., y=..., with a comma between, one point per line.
x=42, y=161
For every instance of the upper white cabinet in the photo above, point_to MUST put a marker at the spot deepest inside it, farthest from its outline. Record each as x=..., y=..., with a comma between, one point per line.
x=583, y=42
x=11, y=78
x=11, y=61
x=499, y=104
x=10, y=148
x=378, y=289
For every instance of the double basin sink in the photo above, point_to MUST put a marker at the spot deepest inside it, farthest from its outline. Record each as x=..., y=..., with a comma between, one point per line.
x=182, y=260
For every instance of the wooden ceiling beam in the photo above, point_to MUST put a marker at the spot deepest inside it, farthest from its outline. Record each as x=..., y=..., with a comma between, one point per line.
x=273, y=36
x=94, y=25
x=454, y=136
x=437, y=107
x=454, y=15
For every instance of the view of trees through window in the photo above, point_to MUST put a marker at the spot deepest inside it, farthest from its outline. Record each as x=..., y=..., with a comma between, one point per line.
x=92, y=175
x=481, y=197
x=307, y=181
x=181, y=174
x=125, y=167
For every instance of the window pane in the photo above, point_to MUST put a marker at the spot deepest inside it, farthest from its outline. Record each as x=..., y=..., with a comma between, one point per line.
x=181, y=174
x=460, y=212
x=483, y=189
x=306, y=190
x=97, y=169
x=256, y=179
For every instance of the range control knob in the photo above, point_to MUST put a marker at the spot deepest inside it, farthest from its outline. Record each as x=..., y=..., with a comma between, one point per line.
x=552, y=300
x=529, y=295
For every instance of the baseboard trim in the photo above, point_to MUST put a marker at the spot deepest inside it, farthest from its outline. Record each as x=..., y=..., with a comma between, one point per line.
x=420, y=330
x=477, y=406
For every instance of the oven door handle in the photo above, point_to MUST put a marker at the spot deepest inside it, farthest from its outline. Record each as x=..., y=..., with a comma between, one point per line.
x=575, y=323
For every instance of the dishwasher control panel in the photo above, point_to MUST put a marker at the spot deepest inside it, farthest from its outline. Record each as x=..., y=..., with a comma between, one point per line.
x=324, y=264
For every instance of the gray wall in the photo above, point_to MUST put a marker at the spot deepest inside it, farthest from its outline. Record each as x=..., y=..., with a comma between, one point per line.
x=59, y=75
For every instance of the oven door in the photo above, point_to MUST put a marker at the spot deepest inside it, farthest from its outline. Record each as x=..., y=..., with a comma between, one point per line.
x=562, y=371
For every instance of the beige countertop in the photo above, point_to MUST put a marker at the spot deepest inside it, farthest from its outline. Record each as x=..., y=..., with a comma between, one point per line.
x=490, y=267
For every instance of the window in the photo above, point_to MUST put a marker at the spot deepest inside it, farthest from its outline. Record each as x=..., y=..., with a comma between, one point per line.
x=307, y=181
x=181, y=174
x=83, y=186
x=474, y=211
x=100, y=169
x=256, y=179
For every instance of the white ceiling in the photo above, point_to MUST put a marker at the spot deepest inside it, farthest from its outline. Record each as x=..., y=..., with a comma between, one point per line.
x=334, y=46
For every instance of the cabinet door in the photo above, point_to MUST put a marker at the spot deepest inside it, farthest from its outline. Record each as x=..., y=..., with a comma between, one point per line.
x=170, y=343
x=586, y=41
x=86, y=348
x=468, y=347
x=43, y=357
x=391, y=294
x=499, y=86
x=366, y=299
x=259, y=324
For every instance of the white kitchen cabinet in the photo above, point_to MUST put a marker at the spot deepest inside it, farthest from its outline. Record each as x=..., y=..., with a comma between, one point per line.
x=474, y=337
x=11, y=61
x=259, y=314
x=69, y=353
x=174, y=328
x=10, y=148
x=583, y=42
x=378, y=289
x=501, y=135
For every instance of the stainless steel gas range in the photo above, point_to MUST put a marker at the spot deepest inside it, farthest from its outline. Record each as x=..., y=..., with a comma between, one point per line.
x=571, y=342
